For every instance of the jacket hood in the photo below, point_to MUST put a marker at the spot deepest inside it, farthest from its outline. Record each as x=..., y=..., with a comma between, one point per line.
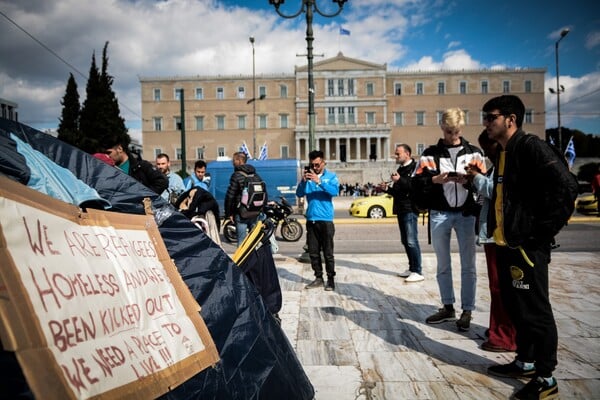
x=247, y=168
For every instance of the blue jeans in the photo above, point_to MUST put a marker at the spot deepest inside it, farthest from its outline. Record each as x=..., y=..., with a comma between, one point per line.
x=243, y=226
x=410, y=240
x=442, y=223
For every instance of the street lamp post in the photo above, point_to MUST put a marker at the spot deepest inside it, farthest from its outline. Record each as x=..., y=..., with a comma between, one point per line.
x=253, y=98
x=307, y=7
x=559, y=88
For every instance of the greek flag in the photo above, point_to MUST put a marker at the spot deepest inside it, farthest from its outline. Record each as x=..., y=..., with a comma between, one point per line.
x=570, y=153
x=263, y=152
x=244, y=149
x=344, y=31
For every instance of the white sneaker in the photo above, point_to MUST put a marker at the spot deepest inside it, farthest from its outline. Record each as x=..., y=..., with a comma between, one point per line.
x=405, y=274
x=414, y=277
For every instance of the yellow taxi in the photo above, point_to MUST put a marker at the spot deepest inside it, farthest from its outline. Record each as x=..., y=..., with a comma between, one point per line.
x=379, y=206
x=587, y=204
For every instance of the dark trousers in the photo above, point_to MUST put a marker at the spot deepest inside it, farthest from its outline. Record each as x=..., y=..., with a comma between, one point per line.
x=319, y=237
x=409, y=237
x=523, y=276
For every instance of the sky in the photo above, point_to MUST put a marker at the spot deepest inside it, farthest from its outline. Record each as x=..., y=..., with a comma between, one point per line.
x=43, y=41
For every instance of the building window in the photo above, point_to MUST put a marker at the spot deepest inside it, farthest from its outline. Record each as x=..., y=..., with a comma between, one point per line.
x=484, y=87
x=330, y=115
x=505, y=86
x=241, y=122
x=283, y=121
x=156, y=94
x=220, y=151
x=441, y=87
x=157, y=151
x=420, y=118
x=157, y=123
x=178, y=153
x=285, y=152
x=340, y=87
x=420, y=148
x=220, y=93
x=262, y=91
x=398, y=89
x=350, y=87
x=529, y=116
x=177, y=123
x=399, y=118
x=527, y=86
x=419, y=88
x=241, y=92
x=330, y=87
x=200, y=123
x=200, y=153
x=262, y=121
x=351, y=118
x=283, y=91
x=439, y=116
x=341, y=115
x=199, y=93
x=370, y=118
x=462, y=87
x=177, y=93
x=220, y=122
x=370, y=89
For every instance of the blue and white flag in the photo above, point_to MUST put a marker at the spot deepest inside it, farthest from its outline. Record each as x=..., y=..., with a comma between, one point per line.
x=244, y=149
x=344, y=31
x=263, y=152
x=570, y=152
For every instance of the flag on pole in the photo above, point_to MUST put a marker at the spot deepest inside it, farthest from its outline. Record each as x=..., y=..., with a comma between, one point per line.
x=570, y=152
x=263, y=152
x=344, y=31
x=244, y=149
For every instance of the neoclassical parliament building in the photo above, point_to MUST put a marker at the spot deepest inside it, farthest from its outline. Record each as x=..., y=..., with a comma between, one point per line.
x=362, y=110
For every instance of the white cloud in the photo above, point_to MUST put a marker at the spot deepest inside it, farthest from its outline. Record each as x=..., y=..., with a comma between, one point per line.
x=592, y=40
x=452, y=60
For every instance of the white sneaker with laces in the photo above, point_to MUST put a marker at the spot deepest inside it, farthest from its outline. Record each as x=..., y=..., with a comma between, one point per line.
x=414, y=277
x=405, y=274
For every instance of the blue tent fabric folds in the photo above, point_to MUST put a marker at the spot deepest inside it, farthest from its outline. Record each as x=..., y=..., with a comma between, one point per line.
x=257, y=361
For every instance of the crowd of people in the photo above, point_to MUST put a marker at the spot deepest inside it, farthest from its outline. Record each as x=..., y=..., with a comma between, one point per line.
x=513, y=209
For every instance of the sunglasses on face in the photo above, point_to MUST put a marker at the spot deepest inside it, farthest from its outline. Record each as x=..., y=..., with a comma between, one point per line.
x=490, y=117
x=317, y=165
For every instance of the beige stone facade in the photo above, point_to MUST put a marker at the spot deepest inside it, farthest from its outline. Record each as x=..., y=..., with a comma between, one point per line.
x=362, y=110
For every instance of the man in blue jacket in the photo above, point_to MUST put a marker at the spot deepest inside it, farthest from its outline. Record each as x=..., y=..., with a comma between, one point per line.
x=319, y=186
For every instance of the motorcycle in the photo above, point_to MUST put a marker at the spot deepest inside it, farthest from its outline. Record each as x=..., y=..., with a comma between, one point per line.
x=279, y=213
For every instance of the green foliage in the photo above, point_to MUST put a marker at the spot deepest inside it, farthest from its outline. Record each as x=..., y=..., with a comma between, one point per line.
x=68, y=129
x=100, y=119
x=586, y=145
x=587, y=171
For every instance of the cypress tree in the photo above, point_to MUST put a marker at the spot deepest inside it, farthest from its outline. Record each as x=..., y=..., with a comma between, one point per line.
x=68, y=129
x=100, y=115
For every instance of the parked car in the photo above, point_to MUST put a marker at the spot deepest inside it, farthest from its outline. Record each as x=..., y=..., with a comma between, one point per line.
x=587, y=204
x=372, y=207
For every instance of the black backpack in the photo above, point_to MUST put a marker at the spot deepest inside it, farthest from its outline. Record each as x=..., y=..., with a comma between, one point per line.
x=253, y=197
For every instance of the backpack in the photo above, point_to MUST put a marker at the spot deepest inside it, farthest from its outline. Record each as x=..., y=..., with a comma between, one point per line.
x=254, y=196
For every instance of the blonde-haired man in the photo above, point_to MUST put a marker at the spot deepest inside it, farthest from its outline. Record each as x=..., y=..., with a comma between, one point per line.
x=452, y=207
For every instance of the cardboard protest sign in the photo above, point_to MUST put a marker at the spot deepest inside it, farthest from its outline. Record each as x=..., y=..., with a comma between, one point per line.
x=91, y=303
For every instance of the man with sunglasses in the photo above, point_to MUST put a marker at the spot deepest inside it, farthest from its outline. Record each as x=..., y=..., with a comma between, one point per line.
x=533, y=198
x=319, y=185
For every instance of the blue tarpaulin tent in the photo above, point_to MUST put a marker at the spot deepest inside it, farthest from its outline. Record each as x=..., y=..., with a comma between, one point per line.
x=257, y=361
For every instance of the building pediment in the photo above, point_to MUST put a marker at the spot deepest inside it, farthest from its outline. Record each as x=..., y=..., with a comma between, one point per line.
x=343, y=63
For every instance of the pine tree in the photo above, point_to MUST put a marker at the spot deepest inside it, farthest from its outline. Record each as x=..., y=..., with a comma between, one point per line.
x=101, y=121
x=68, y=129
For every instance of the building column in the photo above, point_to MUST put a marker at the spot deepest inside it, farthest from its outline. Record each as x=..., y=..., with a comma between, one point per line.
x=378, y=140
x=337, y=149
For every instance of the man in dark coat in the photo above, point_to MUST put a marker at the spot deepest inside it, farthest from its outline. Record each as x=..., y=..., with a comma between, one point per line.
x=142, y=170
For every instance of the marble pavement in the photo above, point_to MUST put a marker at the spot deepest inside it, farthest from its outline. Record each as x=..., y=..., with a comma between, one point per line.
x=368, y=339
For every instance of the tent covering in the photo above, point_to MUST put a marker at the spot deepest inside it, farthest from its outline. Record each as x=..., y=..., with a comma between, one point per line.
x=256, y=359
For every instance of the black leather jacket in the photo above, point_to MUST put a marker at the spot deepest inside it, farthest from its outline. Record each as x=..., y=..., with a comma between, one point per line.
x=538, y=192
x=147, y=174
x=400, y=190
